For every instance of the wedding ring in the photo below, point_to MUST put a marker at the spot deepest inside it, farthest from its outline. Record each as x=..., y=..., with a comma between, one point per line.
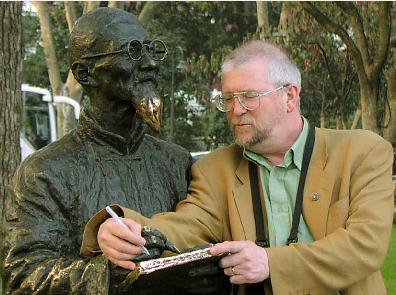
x=233, y=271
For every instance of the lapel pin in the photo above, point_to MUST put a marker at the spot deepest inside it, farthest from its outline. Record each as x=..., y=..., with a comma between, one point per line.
x=315, y=196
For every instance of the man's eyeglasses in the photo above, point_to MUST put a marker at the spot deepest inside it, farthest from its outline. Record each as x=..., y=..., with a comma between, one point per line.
x=156, y=48
x=248, y=99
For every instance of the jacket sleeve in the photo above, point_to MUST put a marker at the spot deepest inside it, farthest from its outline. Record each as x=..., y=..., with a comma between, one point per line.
x=40, y=245
x=352, y=252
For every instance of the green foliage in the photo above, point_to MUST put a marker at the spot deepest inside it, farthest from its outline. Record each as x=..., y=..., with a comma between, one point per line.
x=199, y=35
x=34, y=64
x=389, y=268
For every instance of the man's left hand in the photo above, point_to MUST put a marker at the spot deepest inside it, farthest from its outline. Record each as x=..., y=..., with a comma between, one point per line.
x=247, y=263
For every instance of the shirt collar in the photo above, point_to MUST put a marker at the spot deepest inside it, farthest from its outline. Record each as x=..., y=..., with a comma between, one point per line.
x=89, y=127
x=293, y=155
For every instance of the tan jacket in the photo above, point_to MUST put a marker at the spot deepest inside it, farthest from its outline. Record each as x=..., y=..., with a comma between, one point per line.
x=351, y=221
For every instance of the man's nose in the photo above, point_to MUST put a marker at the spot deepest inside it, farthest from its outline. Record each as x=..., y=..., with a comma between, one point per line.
x=238, y=109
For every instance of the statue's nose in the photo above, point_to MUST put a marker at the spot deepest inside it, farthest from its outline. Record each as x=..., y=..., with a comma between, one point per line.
x=147, y=62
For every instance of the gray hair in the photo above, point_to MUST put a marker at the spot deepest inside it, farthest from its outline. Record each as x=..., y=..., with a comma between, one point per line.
x=281, y=70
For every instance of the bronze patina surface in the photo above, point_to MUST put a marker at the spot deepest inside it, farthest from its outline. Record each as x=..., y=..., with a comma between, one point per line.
x=107, y=159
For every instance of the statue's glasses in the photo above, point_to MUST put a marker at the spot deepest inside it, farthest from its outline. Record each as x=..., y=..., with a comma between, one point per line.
x=156, y=48
x=250, y=100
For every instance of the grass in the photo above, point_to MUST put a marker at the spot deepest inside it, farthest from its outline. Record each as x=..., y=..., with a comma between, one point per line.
x=389, y=268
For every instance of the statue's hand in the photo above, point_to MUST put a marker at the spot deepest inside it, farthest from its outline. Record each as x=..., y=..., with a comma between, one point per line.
x=156, y=243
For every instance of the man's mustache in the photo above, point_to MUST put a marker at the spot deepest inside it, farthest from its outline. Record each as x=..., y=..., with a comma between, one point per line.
x=244, y=122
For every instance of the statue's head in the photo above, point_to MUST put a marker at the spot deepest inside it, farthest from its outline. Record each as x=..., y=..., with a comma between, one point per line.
x=113, y=58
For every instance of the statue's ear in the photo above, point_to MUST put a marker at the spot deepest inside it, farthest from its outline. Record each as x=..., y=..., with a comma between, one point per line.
x=82, y=73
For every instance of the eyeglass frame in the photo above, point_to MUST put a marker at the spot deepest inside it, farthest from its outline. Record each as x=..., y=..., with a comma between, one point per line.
x=126, y=50
x=237, y=95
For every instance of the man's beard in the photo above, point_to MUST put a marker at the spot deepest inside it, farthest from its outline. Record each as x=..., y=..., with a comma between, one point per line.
x=258, y=137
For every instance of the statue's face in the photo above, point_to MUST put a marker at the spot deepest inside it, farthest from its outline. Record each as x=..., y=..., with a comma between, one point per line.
x=129, y=75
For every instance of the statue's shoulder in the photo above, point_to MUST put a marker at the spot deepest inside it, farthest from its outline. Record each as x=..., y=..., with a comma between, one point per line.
x=55, y=154
x=161, y=146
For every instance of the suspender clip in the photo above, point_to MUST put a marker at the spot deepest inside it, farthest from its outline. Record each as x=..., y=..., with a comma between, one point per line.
x=292, y=240
x=262, y=243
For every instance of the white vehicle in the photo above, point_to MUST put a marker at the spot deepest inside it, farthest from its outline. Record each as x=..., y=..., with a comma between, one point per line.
x=39, y=118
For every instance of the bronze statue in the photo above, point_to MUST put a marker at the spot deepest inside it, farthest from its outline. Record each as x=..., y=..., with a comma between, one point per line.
x=107, y=159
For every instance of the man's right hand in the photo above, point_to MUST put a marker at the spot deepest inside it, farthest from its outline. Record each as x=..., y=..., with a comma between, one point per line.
x=120, y=244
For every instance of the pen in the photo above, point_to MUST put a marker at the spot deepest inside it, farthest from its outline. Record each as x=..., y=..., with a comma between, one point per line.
x=118, y=219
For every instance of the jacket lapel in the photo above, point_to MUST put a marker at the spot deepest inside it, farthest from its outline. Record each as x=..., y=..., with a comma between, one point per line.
x=318, y=189
x=243, y=201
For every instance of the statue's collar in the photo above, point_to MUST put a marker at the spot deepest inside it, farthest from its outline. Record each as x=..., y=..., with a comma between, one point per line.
x=89, y=127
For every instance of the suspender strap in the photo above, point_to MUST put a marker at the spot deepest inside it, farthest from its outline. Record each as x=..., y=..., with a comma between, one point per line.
x=261, y=239
x=309, y=144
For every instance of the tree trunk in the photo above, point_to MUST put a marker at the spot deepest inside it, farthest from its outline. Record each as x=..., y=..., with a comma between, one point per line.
x=322, y=120
x=356, y=119
x=48, y=46
x=65, y=113
x=70, y=14
x=50, y=56
x=91, y=5
x=390, y=115
x=116, y=4
x=10, y=98
x=262, y=19
x=147, y=12
x=368, y=99
x=285, y=19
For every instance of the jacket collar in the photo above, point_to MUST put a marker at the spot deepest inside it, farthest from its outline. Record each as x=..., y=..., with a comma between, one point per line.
x=89, y=127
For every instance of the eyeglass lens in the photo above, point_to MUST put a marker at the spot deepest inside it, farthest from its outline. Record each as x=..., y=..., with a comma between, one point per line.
x=225, y=104
x=156, y=49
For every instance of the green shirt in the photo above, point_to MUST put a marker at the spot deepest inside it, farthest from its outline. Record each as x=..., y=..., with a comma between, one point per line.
x=280, y=185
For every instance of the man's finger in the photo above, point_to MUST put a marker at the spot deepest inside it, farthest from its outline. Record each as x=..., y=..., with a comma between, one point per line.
x=227, y=247
x=114, y=253
x=135, y=235
x=130, y=233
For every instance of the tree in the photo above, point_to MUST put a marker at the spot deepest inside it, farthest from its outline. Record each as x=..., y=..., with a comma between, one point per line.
x=65, y=118
x=10, y=96
x=369, y=46
x=262, y=19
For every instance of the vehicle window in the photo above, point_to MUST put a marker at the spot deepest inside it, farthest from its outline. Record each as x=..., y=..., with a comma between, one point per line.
x=35, y=119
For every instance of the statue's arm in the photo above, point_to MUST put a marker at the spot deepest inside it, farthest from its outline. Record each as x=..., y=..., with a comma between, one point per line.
x=41, y=255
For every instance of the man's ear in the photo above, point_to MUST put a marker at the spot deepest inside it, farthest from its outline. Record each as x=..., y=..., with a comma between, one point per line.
x=83, y=74
x=293, y=97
